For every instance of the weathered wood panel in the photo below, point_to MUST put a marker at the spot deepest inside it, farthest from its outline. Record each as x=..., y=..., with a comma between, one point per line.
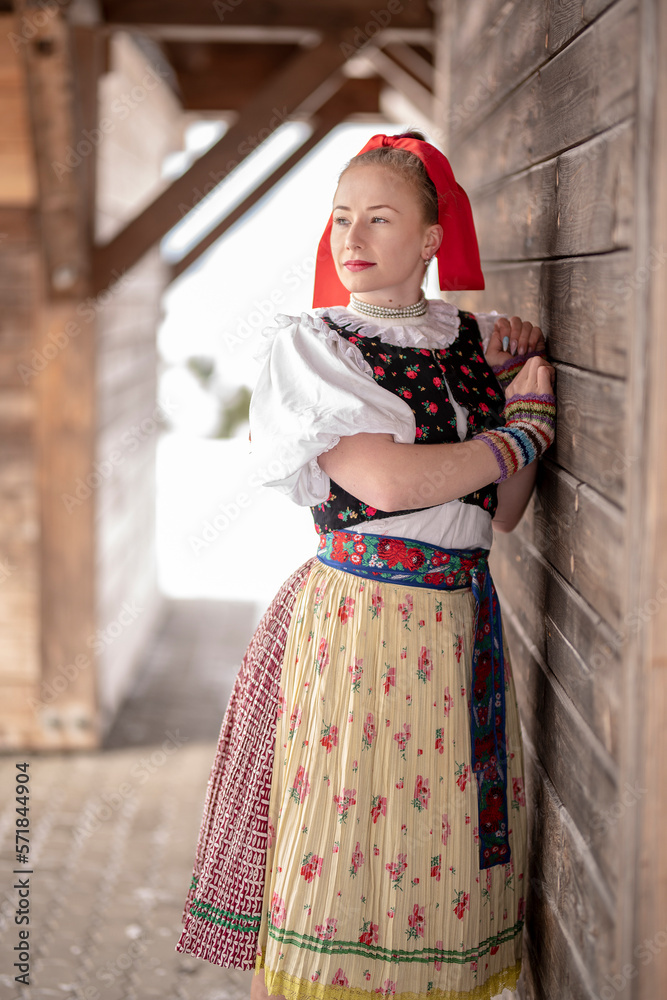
x=643, y=919
x=568, y=908
x=20, y=612
x=581, y=535
x=590, y=434
x=476, y=20
x=582, y=773
x=507, y=41
x=587, y=88
x=584, y=305
x=18, y=179
x=582, y=650
x=580, y=202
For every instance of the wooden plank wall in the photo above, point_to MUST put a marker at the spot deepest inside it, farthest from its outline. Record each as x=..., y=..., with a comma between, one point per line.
x=19, y=474
x=542, y=126
x=146, y=123
x=20, y=607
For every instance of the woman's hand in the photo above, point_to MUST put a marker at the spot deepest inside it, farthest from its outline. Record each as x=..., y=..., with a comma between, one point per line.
x=535, y=377
x=523, y=337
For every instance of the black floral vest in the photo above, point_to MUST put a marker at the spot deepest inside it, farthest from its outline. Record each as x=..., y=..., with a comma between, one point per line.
x=415, y=374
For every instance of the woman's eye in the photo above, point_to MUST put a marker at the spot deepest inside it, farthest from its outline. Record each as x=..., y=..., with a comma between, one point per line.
x=341, y=218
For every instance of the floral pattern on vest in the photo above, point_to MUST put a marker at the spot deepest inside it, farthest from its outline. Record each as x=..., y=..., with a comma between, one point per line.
x=416, y=375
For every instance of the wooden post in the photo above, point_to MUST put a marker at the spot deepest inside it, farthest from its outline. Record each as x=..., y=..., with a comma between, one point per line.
x=62, y=378
x=642, y=934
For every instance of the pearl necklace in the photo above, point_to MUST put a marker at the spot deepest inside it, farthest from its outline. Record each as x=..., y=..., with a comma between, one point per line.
x=416, y=309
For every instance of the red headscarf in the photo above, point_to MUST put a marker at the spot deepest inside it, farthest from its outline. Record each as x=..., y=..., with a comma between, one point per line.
x=458, y=256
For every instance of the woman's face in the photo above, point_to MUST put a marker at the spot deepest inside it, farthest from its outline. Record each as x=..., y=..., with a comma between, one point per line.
x=377, y=218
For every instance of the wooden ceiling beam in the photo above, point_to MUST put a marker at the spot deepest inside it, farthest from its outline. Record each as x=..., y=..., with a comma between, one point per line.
x=354, y=97
x=230, y=34
x=224, y=77
x=406, y=56
x=301, y=87
x=401, y=80
x=334, y=15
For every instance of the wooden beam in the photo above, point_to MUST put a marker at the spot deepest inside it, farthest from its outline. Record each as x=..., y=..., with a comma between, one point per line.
x=64, y=435
x=401, y=80
x=18, y=224
x=254, y=34
x=89, y=58
x=224, y=76
x=50, y=77
x=409, y=58
x=229, y=34
x=352, y=97
x=337, y=15
x=301, y=87
x=61, y=376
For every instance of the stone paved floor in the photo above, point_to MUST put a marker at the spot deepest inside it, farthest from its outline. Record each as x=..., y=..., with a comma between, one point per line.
x=113, y=832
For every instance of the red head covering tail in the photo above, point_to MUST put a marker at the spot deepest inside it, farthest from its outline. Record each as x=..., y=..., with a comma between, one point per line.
x=458, y=256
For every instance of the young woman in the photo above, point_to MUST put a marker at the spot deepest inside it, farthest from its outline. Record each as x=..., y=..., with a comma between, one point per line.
x=364, y=829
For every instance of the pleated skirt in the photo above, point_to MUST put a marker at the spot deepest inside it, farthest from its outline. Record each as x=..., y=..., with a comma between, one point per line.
x=373, y=883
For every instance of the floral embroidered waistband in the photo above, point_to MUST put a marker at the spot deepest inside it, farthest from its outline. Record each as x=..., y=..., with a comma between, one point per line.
x=415, y=564
x=401, y=560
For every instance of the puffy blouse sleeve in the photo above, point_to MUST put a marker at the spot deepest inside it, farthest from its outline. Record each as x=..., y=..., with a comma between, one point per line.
x=314, y=387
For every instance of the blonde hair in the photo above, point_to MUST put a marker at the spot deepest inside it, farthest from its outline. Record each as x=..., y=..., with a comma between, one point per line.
x=408, y=166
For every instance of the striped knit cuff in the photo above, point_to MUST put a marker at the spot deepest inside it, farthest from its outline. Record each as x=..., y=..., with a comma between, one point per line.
x=506, y=372
x=529, y=430
x=534, y=405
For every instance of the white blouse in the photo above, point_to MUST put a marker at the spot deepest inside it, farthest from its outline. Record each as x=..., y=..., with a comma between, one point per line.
x=315, y=387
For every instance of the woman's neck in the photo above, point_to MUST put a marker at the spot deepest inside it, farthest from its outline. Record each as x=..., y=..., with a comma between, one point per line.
x=390, y=320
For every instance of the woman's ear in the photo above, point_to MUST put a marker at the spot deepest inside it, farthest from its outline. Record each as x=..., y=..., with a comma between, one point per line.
x=435, y=234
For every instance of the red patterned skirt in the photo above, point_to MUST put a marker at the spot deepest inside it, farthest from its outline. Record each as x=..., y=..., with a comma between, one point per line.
x=223, y=909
